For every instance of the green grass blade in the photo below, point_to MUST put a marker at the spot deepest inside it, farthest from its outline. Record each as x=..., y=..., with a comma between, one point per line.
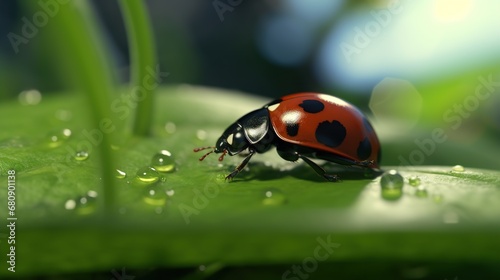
x=143, y=62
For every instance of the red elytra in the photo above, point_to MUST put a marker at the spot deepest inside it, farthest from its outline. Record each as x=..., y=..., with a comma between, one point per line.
x=360, y=143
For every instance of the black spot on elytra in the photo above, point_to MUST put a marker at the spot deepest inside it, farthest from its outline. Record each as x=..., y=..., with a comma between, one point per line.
x=312, y=106
x=292, y=129
x=364, y=149
x=331, y=134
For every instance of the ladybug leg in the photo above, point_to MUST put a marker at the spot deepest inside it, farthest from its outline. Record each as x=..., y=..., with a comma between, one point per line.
x=287, y=153
x=321, y=172
x=240, y=166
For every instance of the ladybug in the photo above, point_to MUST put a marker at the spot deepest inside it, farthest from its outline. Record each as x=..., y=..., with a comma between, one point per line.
x=303, y=126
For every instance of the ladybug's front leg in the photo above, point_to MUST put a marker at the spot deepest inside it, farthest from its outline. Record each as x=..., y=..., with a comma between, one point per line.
x=240, y=166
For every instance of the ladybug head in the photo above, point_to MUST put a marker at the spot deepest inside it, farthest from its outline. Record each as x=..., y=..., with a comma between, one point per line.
x=232, y=142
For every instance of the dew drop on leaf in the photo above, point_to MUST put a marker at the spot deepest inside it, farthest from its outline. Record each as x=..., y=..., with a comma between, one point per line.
x=81, y=155
x=391, y=183
x=83, y=205
x=414, y=181
x=458, y=168
x=163, y=161
x=57, y=138
x=170, y=192
x=120, y=174
x=273, y=196
x=154, y=195
x=148, y=175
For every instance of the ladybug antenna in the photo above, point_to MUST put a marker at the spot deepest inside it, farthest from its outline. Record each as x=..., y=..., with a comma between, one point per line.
x=223, y=154
x=204, y=148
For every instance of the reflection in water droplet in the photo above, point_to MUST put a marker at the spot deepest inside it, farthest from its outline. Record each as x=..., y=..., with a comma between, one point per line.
x=170, y=127
x=148, y=175
x=391, y=183
x=273, y=196
x=81, y=155
x=154, y=195
x=421, y=192
x=414, y=181
x=30, y=97
x=57, y=138
x=163, y=161
x=120, y=174
x=457, y=168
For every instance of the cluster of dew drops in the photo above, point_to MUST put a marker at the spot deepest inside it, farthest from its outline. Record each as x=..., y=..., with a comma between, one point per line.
x=153, y=194
x=391, y=184
x=147, y=177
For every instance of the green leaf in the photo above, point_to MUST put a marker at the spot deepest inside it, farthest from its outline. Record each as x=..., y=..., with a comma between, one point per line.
x=197, y=218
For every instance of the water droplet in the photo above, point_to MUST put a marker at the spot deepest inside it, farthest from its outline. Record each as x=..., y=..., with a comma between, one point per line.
x=155, y=196
x=170, y=192
x=202, y=268
x=83, y=205
x=163, y=161
x=148, y=175
x=170, y=127
x=414, y=181
x=57, y=138
x=273, y=197
x=392, y=185
x=30, y=97
x=120, y=174
x=421, y=192
x=201, y=134
x=457, y=168
x=81, y=155
x=70, y=204
x=159, y=210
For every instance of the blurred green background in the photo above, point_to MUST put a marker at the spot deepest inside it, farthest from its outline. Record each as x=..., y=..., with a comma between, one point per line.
x=416, y=66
